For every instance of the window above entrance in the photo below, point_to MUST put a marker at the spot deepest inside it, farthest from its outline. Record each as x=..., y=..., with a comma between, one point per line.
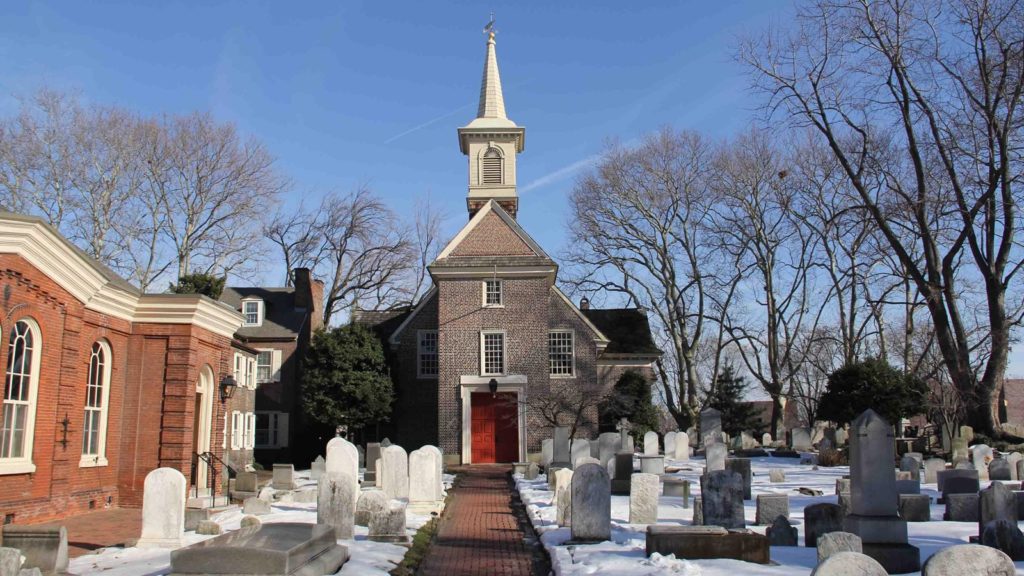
x=493, y=293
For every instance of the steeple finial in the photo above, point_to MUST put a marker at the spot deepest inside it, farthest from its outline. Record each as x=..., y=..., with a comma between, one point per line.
x=492, y=103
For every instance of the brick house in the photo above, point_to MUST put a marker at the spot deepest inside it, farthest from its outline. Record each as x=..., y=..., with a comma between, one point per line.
x=278, y=324
x=494, y=334
x=102, y=383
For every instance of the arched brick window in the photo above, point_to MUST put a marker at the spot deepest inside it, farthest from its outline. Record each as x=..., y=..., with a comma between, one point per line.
x=21, y=387
x=97, y=396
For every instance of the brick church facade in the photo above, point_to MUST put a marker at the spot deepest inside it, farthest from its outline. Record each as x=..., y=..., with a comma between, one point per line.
x=495, y=338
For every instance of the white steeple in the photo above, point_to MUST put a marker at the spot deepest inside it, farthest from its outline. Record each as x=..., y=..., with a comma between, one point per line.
x=491, y=141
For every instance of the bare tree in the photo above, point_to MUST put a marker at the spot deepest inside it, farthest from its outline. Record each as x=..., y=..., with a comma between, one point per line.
x=297, y=236
x=426, y=245
x=573, y=406
x=919, y=103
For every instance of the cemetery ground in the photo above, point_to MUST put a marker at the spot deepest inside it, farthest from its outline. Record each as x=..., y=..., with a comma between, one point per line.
x=624, y=554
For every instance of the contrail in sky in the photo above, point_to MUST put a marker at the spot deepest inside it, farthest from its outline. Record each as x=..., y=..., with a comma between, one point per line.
x=561, y=173
x=429, y=122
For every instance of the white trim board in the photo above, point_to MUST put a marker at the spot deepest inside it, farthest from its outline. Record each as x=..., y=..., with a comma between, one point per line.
x=491, y=206
x=469, y=384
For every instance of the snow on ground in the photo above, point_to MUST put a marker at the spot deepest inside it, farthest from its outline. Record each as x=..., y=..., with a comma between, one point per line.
x=366, y=558
x=625, y=555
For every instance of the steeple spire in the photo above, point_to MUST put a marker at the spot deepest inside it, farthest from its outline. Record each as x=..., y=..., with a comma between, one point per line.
x=492, y=103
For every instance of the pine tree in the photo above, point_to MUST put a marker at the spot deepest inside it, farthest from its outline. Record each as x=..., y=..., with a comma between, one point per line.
x=630, y=398
x=737, y=415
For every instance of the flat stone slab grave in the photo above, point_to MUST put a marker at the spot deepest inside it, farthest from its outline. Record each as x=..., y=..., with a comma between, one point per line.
x=286, y=549
x=707, y=542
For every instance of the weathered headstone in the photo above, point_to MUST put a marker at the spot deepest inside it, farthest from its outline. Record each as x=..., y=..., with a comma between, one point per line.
x=271, y=549
x=246, y=482
x=710, y=425
x=964, y=559
x=591, y=504
x=343, y=458
x=821, y=519
x=715, y=455
x=560, y=448
x=835, y=542
x=585, y=460
x=608, y=444
x=317, y=468
x=388, y=525
x=771, y=506
x=682, y=451
x=10, y=561
x=981, y=455
x=163, y=509
x=643, y=498
x=372, y=457
x=580, y=449
x=623, y=471
x=370, y=502
x=546, y=451
x=911, y=464
x=873, y=496
x=425, y=487
x=997, y=502
x=722, y=499
x=706, y=542
x=532, y=471
x=335, y=503
x=957, y=481
x=932, y=467
x=208, y=528
x=651, y=447
x=670, y=443
x=44, y=547
x=961, y=507
x=747, y=441
x=915, y=507
x=698, y=511
x=766, y=439
x=781, y=533
x=801, y=439
x=652, y=465
x=1013, y=459
x=841, y=437
x=849, y=564
x=250, y=522
x=394, y=471
x=959, y=450
x=255, y=506
x=776, y=475
x=284, y=477
x=677, y=488
x=741, y=466
x=563, y=496
x=1004, y=535
x=999, y=469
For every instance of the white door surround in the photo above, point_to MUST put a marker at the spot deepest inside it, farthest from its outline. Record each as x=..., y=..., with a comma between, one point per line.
x=204, y=403
x=469, y=384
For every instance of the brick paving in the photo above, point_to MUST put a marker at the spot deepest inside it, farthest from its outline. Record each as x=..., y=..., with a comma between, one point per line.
x=93, y=530
x=479, y=533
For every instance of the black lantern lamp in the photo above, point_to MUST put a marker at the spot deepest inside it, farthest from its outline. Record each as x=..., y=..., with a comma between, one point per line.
x=228, y=385
x=493, y=385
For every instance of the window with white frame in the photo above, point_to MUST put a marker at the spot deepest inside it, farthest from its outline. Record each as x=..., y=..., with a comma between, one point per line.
x=250, y=430
x=252, y=311
x=492, y=353
x=97, y=392
x=237, y=430
x=21, y=383
x=560, y=352
x=239, y=369
x=271, y=430
x=265, y=366
x=426, y=354
x=492, y=292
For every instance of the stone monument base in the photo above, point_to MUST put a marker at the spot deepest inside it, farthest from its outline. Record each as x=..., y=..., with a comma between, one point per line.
x=895, y=558
x=707, y=542
x=426, y=508
x=877, y=529
x=286, y=549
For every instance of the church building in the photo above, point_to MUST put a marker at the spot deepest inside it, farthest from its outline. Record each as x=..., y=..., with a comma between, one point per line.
x=495, y=341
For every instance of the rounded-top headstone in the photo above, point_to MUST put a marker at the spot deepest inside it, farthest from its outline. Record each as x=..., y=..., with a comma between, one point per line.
x=250, y=522
x=832, y=543
x=163, y=508
x=370, y=502
x=343, y=458
x=849, y=564
x=591, y=504
x=973, y=559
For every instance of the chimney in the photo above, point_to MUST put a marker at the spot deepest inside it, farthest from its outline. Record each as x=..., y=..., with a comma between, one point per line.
x=301, y=279
x=584, y=304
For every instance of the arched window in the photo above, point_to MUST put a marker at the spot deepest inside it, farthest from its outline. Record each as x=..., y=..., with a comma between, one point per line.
x=491, y=167
x=17, y=423
x=97, y=392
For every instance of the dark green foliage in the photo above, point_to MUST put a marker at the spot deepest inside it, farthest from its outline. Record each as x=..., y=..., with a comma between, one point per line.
x=872, y=384
x=346, y=378
x=737, y=414
x=200, y=283
x=630, y=398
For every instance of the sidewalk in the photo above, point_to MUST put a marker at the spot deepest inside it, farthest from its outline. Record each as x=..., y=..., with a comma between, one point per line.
x=93, y=530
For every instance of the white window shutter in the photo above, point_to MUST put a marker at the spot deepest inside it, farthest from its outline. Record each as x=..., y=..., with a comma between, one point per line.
x=276, y=366
x=224, y=437
x=282, y=430
x=250, y=430
x=236, y=429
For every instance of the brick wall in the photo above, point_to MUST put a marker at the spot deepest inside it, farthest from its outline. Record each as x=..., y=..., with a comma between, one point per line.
x=414, y=416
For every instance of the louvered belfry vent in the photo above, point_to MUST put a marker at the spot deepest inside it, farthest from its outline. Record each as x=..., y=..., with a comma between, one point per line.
x=492, y=170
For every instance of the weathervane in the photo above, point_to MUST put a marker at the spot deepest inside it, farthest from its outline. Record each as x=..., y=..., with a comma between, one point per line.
x=489, y=29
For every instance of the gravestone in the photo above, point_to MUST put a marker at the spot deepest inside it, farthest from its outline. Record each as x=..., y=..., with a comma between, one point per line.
x=835, y=542
x=961, y=507
x=372, y=456
x=997, y=502
x=388, y=525
x=550, y=474
x=563, y=496
x=1004, y=535
x=623, y=471
x=425, y=486
x=966, y=481
x=670, y=443
x=343, y=458
x=706, y=542
x=608, y=444
x=766, y=439
x=560, y=448
x=1013, y=459
x=643, y=498
x=999, y=469
x=394, y=471
x=776, y=475
x=246, y=482
x=908, y=487
x=781, y=533
x=981, y=455
x=163, y=509
x=10, y=561
x=682, y=451
x=651, y=447
x=821, y=519
x=546, y=451
x=591, y=504
x=698, y=512
x=771, y=506
x=841, y=437
x=652, y=465
x=959, y=449
x=255, y=506
x=250, y=521
x=747, y=441
x=335, y=503
x=294, y=549
x=710, y=426
x=44, y=548
x=585, y=460
x=849, y=564
x=370, y=502
x=284, y=477
x=715, y=455
x=932, y=467
x=316, y=469
x=801, y=439
x=964, y=559
x=722, y=499
x=677, y=488
x=208, y=528
x=532, y=471
x=915, y=507
x=911, y=464
x=873, y=496
x=741, y=466
x=580, y=448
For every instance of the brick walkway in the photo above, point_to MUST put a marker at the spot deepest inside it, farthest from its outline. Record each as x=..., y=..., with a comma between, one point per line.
x=479, y=532
x=94, y=530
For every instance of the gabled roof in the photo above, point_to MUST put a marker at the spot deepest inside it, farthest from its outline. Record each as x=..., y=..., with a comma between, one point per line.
x=281, y=319
x=627, y=329
x=503, y=238
x=383, y=322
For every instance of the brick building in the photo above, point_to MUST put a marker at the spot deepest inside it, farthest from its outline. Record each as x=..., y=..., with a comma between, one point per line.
x=495, y=334
x=278, y=324
x=102, y=383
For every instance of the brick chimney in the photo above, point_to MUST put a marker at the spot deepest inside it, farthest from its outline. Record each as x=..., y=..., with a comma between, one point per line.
x=309, y=295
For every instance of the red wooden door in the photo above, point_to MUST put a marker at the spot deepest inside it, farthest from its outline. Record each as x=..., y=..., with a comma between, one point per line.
x=495, y=427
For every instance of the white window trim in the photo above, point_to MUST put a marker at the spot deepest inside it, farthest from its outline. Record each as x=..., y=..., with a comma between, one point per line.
x=250, y=431
x=275, y=366
x=24, y=464
x=419, y=354
x=572, y=353
x=237, y=430
x=504, y=353
x=259, y=311
x=501, y=292
x=100, y=458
